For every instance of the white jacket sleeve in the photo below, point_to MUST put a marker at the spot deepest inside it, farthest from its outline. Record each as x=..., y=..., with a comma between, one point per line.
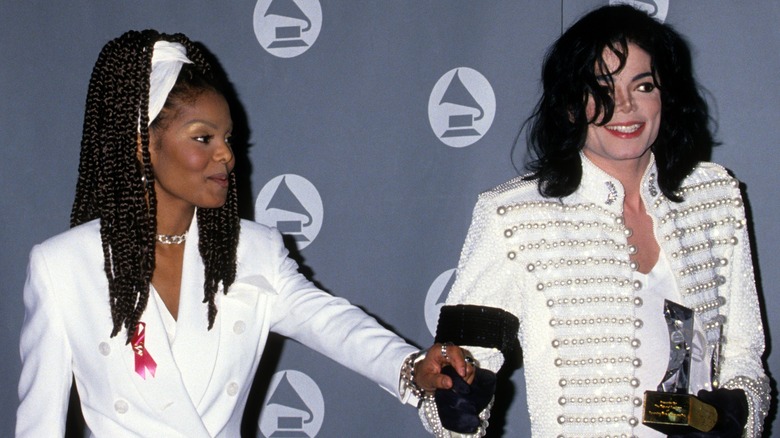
x=741, y=366
x=45, y=382
x=334, y=327
x=480, y=281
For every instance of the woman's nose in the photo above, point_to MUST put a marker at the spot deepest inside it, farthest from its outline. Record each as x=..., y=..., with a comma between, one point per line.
x=224, y=153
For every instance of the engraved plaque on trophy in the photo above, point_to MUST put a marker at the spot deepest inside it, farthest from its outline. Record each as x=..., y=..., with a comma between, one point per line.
x=671, y=409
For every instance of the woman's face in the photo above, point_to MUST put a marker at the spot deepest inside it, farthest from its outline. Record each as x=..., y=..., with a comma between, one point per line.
x=633, y=129
x=191, y=154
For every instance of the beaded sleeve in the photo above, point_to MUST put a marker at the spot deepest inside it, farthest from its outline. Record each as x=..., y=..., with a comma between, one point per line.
x=483, y=277
x=479, y=282
x=743, y=336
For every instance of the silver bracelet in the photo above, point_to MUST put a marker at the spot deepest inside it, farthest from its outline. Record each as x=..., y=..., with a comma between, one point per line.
x=409, y=387
x=429, y=414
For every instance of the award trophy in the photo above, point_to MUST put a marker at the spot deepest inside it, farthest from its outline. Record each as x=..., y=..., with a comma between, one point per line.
x=671, y=410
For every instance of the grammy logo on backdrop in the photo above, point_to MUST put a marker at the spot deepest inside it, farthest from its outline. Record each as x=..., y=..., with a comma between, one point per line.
x=671, y=409
x=461, y=107
x=287, y=28
x=288, y=36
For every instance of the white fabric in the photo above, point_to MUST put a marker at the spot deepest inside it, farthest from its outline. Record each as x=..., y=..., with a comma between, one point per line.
x=562, y=266
x=203, y=378
x=660, y=286
x=167, y=60
x=169, y=322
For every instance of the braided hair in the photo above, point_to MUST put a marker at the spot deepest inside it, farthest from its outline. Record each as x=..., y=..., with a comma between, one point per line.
x=116, y=181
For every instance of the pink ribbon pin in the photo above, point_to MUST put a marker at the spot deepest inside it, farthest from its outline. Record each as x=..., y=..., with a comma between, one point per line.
x=143, y=360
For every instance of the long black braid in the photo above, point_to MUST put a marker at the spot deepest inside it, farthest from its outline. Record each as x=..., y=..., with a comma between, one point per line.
x=115, y=188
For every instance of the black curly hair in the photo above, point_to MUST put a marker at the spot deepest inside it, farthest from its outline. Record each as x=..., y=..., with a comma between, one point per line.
x=114, y=187
x=559, y=123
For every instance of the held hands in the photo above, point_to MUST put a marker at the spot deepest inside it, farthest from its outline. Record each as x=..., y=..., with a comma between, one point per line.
x=462, y=391
x=427, y=372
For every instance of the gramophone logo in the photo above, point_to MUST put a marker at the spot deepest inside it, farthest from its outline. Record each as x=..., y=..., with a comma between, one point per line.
x=435, y=298
x=293, y=408
x=461, y=107
x=293, y=205
x=287, y=28
x=655, y=8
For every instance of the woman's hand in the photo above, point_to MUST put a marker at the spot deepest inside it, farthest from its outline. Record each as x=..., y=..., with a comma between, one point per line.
x=459, y=390
x=427, y=372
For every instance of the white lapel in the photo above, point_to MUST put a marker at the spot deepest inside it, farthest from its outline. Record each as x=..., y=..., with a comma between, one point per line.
x=194, y=347
x=165, y=392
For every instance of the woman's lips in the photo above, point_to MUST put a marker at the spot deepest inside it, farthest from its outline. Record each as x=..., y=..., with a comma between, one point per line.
x=221, y=179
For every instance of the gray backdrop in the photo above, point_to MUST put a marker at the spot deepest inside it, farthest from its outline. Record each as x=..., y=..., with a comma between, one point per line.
x=371, y=127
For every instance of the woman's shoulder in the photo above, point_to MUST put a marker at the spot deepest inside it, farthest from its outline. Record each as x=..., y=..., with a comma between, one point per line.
x=74, y=250
x=81, y=236
x=255, y=233
x=257, y=229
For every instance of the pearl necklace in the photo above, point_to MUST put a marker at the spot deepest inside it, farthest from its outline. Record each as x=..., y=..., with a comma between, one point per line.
x=172, y=239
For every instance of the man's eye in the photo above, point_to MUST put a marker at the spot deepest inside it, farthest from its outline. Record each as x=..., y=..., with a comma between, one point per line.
x=646, y=87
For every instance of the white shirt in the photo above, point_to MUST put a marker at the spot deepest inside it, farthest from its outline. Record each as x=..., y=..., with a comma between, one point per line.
x=659, y=286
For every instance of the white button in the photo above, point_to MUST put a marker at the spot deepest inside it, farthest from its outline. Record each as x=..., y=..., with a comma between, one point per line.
x=121, y=406
x=104, y=348
x=232, y=388
x=239, y=327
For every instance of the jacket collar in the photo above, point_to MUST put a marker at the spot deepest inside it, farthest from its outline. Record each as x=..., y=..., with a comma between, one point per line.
x=195, y=346
x=185, y=366
x=165, y=392
x=602, y=189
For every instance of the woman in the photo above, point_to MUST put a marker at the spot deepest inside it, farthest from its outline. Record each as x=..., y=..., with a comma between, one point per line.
x=159, y=299
x=618, y=215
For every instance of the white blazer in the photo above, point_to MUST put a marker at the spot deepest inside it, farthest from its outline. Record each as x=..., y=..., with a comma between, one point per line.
x=203, y=377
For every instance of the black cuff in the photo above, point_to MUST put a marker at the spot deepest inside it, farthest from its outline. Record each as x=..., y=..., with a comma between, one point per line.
x=478, y=326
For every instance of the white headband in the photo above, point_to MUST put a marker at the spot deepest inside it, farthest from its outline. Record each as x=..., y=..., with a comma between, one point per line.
x=167, y=60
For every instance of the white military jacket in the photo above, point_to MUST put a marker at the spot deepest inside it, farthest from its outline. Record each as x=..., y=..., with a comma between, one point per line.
x=562, y=267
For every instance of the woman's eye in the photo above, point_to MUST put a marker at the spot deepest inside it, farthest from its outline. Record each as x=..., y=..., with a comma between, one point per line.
x=228, y=140
x=206, y=139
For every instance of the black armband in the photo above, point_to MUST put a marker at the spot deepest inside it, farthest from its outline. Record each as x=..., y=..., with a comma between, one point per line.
x=478, y=326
